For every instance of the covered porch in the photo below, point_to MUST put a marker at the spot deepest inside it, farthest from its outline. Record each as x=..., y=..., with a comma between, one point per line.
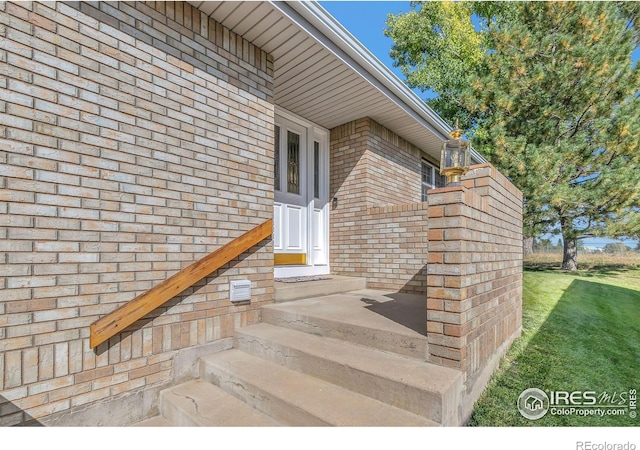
x=326, y=86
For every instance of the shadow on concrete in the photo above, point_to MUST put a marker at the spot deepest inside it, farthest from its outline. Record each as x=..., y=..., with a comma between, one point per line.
x=13, y=416
x=408, y=310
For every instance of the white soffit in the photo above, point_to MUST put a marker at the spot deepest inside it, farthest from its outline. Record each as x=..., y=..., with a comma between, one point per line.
x=322, y=73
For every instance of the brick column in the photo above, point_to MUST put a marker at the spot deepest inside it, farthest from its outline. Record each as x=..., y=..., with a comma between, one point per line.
x=474, y=273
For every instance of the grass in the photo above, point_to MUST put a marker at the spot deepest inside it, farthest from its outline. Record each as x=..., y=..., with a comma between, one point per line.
x=587, y=260
x=581, y=332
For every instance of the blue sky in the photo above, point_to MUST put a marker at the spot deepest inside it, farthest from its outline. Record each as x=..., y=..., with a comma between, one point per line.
x=366, y=21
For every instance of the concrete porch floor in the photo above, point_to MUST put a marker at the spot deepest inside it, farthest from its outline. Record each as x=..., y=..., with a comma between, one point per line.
x=391, y=311
x=321, y=285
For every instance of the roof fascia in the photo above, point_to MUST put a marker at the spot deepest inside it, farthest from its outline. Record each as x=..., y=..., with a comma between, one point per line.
x=315, y=20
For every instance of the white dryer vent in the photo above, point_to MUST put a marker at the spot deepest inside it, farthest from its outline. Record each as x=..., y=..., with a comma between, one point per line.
x=240, y=291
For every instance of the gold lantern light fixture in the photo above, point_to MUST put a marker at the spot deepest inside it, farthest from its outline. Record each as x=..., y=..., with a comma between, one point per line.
x=454, y=159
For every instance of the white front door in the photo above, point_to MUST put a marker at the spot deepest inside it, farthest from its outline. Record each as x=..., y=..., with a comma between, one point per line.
x=301, y=198
x=290, y=207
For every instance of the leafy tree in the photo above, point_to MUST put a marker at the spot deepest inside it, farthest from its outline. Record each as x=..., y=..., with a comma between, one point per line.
x=542, y=245
x=437, y=48
x=553, y=103
x=615, y=247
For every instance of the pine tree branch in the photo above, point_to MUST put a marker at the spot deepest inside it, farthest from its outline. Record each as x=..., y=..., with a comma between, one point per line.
x=579, y=122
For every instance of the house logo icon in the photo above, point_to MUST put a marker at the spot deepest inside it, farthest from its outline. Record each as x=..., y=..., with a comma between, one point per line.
x=533, y=403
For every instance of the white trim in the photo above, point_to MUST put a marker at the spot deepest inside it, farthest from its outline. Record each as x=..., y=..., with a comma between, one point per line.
x=313, y=133
x=323, y=202
x=285, y=114
x=435, y=172
x=323, y=27
x=316, y=23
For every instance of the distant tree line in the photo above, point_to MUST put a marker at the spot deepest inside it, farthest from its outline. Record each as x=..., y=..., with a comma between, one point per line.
x=541, y=245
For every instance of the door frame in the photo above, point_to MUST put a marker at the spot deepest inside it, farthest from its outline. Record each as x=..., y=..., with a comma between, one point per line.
x=314, y=133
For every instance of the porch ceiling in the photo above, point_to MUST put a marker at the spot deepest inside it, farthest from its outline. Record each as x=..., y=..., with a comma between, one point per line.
x=322, y=73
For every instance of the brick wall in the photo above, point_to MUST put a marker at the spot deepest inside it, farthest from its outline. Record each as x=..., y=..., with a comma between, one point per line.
x=462, y=248
x=378, y=230
x=134, y=139
x=372, y=166
x=474, y=303
x=387, y=246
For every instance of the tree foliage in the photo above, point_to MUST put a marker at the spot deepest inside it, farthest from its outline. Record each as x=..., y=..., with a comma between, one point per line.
x=553, y=103
x=616, y=248
x=437, y=48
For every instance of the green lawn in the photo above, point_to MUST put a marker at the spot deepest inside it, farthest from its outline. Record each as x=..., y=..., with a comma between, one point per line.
x=580, y=333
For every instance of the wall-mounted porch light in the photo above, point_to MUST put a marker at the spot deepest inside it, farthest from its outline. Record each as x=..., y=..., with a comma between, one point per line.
x=454, y=159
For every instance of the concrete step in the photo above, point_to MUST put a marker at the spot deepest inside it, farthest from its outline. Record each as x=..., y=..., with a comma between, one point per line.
x=330, y=284
x=424, y=389
x=157, y=421
x=383, y=320
x=199, y=403
x=296, y=399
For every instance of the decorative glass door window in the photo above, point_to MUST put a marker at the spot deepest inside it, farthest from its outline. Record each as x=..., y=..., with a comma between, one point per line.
x=293, y=163
x=276, y=144
x=316, y=169
x=300, y=206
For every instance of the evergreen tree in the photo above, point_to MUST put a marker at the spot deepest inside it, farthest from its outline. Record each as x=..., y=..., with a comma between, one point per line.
x=559, y=114
x=554, y=105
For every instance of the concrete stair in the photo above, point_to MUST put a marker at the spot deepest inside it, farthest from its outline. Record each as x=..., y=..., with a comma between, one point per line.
x=421, y=388
x=326, y=285
x=348, y=359
x=386, y=321
x=154, y=422
x=198, y=403
x=297, y=399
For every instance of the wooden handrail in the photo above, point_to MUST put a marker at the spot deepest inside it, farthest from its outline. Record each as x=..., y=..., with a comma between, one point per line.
x=121, y=318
